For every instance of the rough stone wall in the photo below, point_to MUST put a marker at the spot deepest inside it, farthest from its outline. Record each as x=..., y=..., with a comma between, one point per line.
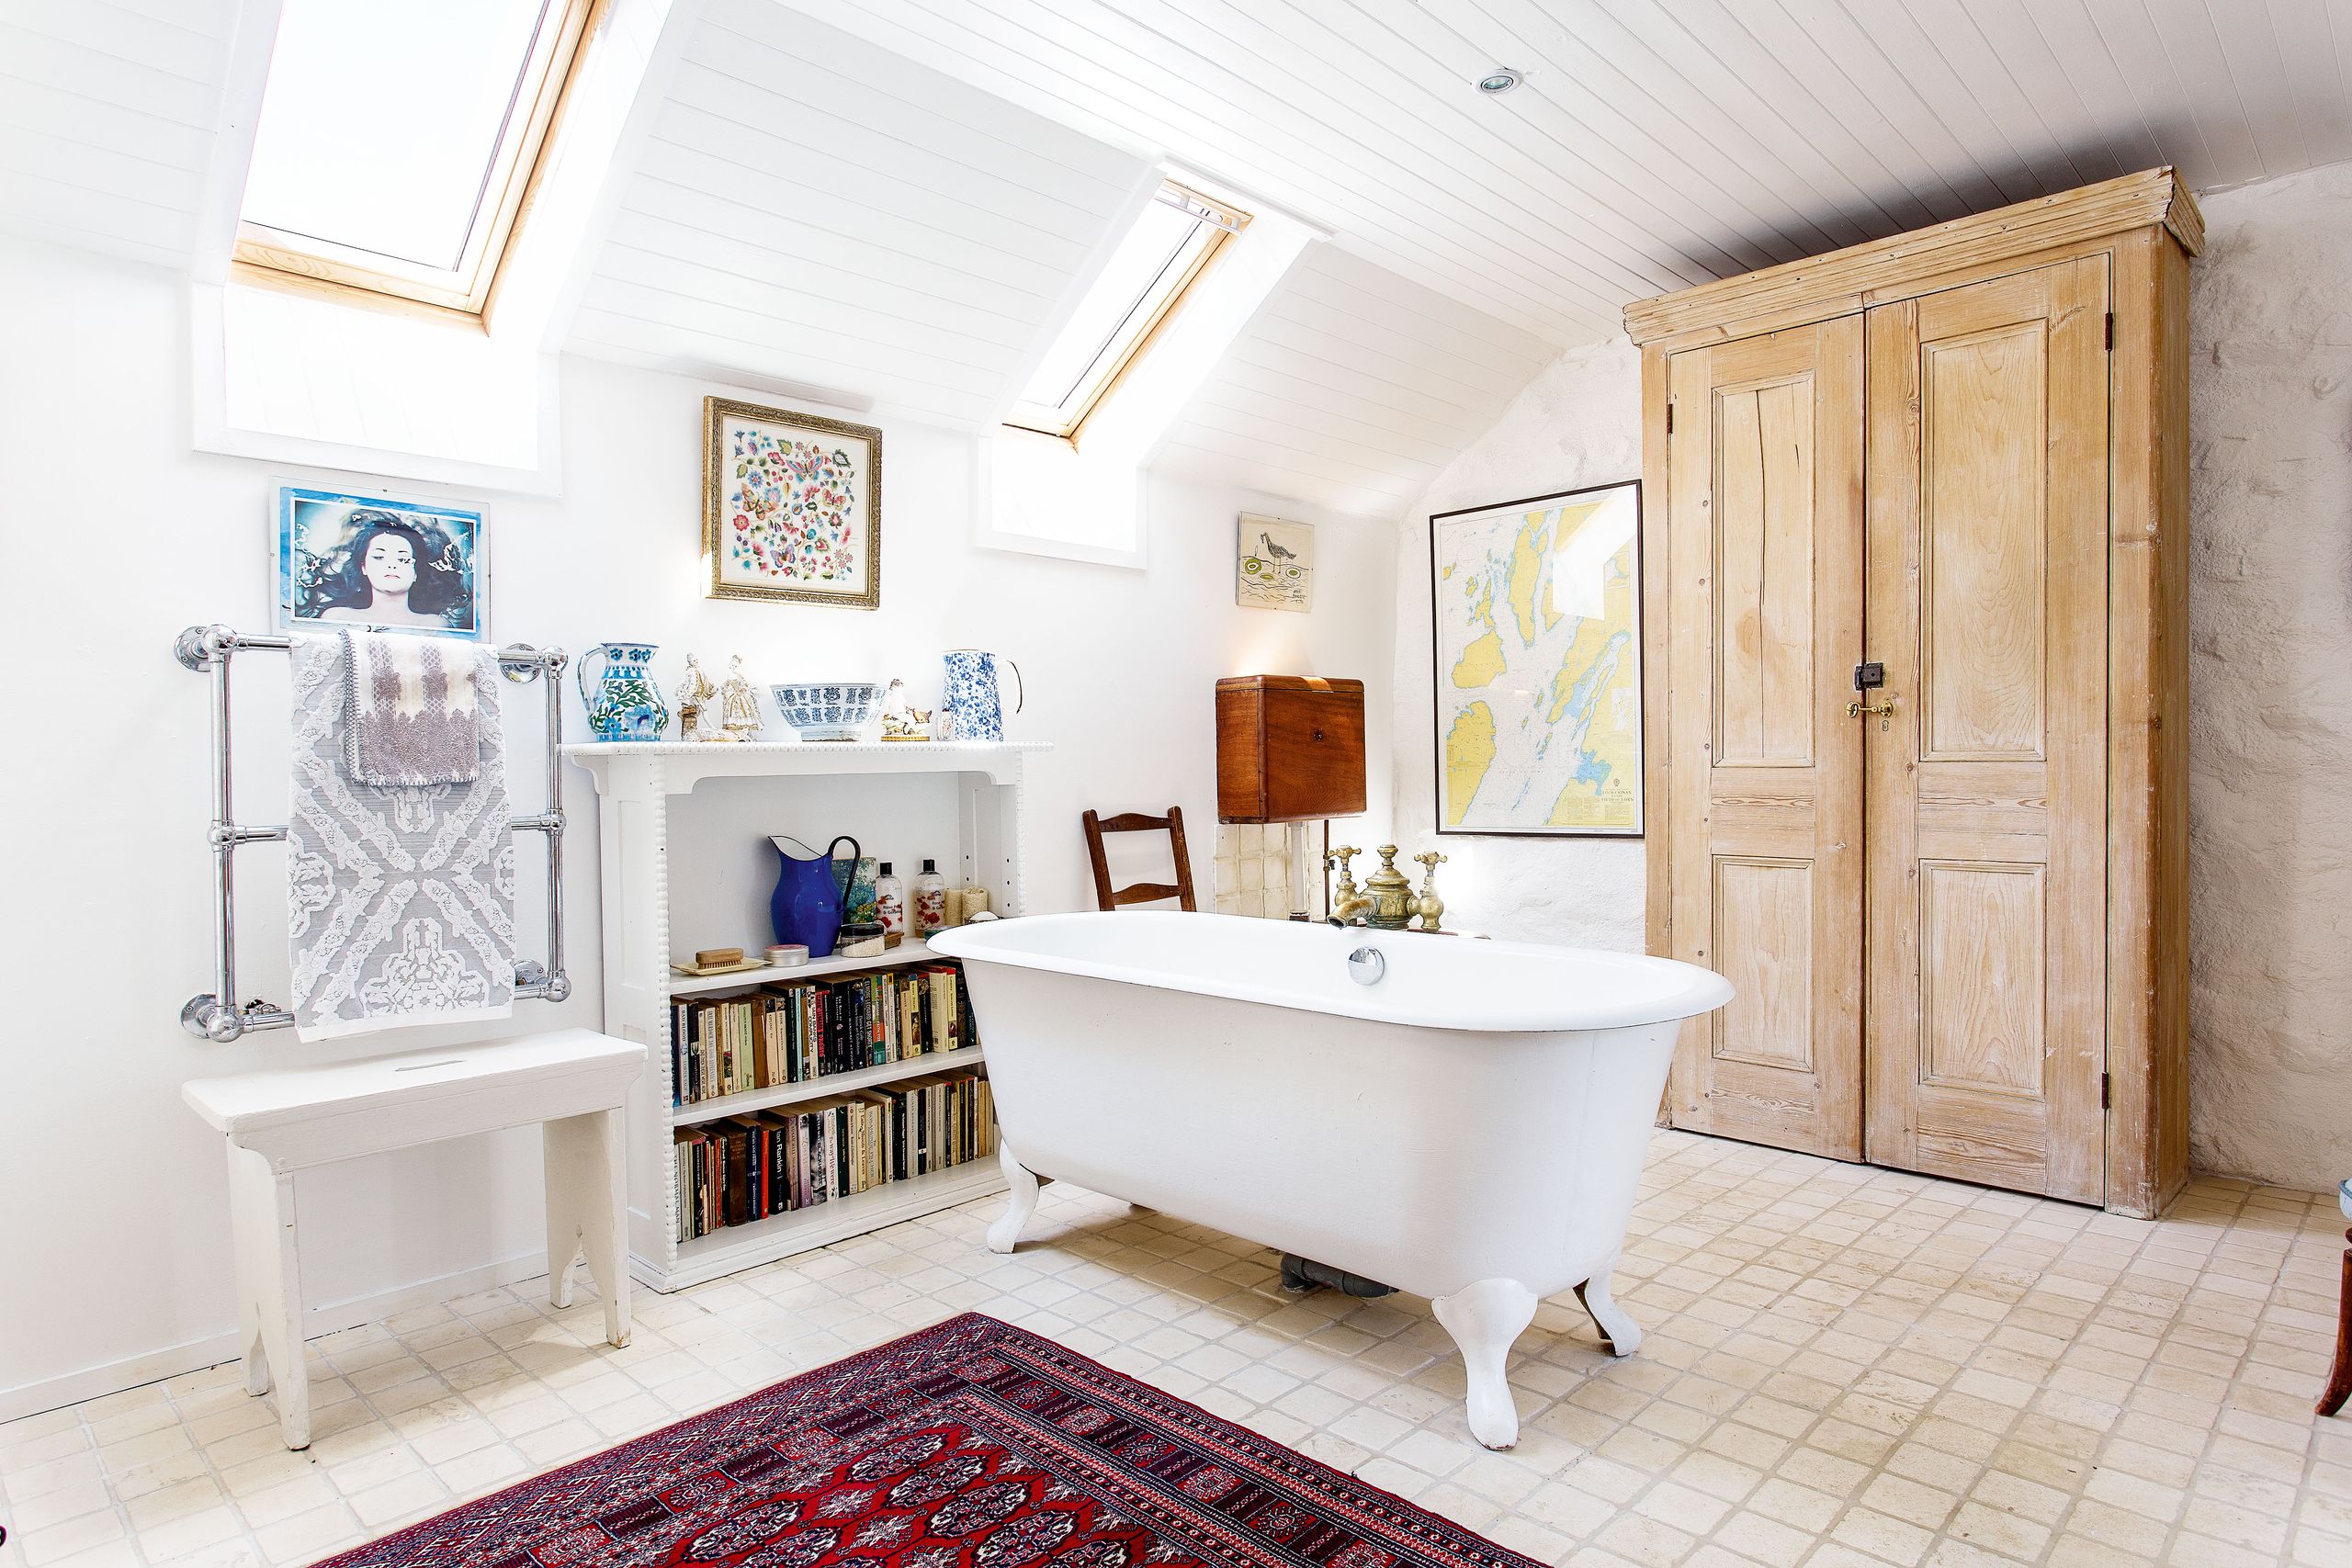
x=2270, y=682
x=2270, y=695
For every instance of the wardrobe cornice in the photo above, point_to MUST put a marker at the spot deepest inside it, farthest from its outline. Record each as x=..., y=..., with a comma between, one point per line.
x=1842, y=282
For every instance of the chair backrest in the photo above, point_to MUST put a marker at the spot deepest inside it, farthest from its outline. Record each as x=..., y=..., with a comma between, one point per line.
x=1140, y=892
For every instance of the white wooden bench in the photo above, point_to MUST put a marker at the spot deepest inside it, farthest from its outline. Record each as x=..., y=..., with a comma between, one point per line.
x=574, y=1082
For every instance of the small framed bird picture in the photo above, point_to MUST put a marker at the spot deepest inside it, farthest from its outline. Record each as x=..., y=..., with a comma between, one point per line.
x=1277, y=564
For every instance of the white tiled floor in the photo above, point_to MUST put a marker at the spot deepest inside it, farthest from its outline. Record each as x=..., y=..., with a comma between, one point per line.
x=1844, y=1367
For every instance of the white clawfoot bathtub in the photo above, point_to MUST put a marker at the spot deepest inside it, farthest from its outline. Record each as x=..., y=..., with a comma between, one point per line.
x=1468, y=1126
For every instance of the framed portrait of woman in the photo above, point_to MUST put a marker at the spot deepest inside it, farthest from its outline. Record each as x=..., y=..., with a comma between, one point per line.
x=382, y=562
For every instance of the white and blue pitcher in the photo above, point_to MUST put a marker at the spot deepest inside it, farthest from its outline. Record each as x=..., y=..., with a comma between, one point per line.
x=969, y=707
x=627, y=704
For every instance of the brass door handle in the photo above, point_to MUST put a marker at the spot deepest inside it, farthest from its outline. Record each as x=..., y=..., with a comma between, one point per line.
x=1857, y=708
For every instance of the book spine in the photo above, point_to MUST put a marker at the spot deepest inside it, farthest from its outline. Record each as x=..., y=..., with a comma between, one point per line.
x=812, y=1156
x=726, y=1048
x=756, y=1137
x=788, y=1132
x=821, y=1146
x=735, y=1206
x=705, y=1186
x=706, y=1049
x=841, y=1148
x=793, y=1030
x=678, y=1091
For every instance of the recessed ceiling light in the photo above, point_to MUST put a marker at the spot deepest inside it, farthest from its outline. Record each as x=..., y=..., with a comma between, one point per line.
x=1501, y=79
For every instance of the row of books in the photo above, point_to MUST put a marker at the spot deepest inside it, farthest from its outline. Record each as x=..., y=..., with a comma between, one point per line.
x=790, y=1033
x=737, y=1170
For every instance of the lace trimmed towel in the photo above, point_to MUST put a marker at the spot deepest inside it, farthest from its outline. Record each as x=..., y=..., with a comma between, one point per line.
x=411, y=702
x=400, y=898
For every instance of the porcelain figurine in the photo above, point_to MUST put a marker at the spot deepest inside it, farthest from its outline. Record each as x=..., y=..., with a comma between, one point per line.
x=739, y=706
x=695, y=693
x=902, y=720
x=626, y=705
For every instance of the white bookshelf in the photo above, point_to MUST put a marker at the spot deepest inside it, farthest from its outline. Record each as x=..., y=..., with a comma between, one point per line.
x=829, y=1083
x=907, y=952
x=645, y=811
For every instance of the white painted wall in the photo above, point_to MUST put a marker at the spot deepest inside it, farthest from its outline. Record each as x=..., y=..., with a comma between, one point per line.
x=114, y=534
x=2270, y=696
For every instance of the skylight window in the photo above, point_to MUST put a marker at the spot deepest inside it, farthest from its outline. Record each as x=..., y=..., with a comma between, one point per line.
x=397, y=142
x=1175, y=241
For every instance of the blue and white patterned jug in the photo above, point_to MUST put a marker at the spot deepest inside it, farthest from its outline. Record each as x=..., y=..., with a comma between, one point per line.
x=627, y=704
x=969, y=707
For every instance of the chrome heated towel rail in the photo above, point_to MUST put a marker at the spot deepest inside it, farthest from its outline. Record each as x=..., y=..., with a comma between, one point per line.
x=215, y=1015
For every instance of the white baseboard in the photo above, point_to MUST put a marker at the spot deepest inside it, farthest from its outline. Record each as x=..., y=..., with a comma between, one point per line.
x=112, y=1377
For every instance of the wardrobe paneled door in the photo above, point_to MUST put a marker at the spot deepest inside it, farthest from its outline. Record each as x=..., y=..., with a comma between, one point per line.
x=1917, y=513
x=1766, y=798
x=1985, y=1030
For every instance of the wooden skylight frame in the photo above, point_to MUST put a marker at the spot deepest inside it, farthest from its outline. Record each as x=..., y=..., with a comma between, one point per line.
x=277, y=257
x=1153, y=311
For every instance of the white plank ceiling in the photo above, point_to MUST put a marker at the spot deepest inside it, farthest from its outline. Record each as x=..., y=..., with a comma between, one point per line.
x=814, y=211
x=1350, y=388
x=888, y=200
x=1654, y=144
x=108, y=111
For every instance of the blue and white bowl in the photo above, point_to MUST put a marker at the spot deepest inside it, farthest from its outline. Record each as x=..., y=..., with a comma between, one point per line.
x=828, y=710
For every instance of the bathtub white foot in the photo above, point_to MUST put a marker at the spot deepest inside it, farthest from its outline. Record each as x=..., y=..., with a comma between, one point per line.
x=1616, y=1325
x=1021, y=1200
x=1484, y=1319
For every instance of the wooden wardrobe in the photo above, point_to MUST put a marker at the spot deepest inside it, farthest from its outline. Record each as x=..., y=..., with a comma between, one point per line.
x=1916, y=619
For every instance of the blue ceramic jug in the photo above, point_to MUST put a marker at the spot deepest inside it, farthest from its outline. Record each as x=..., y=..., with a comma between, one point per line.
x=970, y=708
x=806, y=906
x=627, y=704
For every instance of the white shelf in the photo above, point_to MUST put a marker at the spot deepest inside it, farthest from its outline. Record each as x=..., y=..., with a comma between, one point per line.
x=826, y=1084
x=731, y=1248
x=678, y=765
x=906, y=953
x=828, y=756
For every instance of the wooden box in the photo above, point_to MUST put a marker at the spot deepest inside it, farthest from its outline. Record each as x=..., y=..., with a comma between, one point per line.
x=1289, y=748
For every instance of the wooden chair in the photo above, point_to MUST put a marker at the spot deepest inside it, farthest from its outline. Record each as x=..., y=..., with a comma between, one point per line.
x=2339, y=1378
x=1140, y=892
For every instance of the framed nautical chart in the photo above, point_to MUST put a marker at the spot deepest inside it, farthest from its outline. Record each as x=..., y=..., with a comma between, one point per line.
x=1536, y=642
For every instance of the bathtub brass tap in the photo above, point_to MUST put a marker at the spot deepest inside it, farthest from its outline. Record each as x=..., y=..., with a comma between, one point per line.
x=1427, y=904
x=1387, y=902
x=1345, y=903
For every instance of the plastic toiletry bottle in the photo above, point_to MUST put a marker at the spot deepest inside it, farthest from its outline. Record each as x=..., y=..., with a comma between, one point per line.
x=891, y=904
x=931, y=900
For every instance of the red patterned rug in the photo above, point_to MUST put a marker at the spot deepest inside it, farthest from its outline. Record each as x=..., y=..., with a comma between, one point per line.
x=969, y=1445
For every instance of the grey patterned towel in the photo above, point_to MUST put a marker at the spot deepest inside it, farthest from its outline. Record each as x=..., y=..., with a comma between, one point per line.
x=400, y=898
x=410, y=699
